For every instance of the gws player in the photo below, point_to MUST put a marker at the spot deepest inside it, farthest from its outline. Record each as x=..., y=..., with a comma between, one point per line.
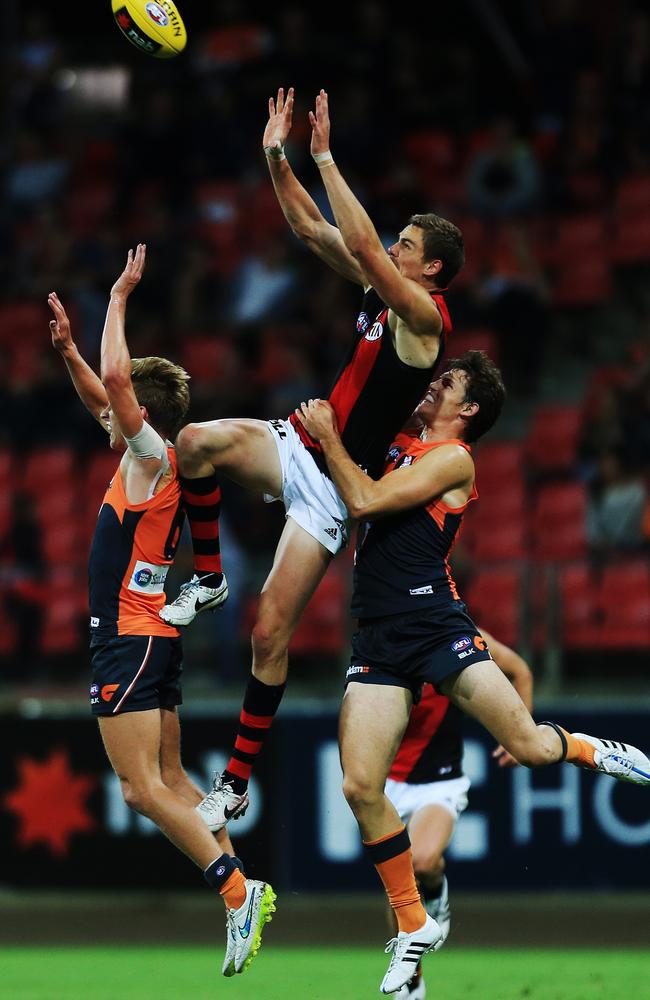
x=400, y=335
x=428, y=788
x=136, y=657
x=413, y=629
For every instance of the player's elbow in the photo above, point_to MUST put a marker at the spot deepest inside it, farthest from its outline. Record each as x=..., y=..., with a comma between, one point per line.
x=115, y=378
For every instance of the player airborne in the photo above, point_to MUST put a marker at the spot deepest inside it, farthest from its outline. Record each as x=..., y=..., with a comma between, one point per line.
x=400, y=336
x=136, y=657
x=413, y=629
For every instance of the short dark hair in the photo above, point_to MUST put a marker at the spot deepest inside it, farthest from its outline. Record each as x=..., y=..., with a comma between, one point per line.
x=483, y=385
x=161, y=387
x=441, y=240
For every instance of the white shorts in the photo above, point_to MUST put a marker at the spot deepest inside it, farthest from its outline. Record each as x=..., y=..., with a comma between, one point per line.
x=309, y=496
x=407, y=799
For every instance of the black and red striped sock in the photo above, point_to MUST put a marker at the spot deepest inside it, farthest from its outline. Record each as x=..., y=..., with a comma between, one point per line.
x=202, y=502
x=261, y=702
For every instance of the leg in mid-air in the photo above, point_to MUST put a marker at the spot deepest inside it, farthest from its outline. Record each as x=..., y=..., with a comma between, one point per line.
x=137, y=750
x=242, y=450
x=482, y=691
x=373, y=720
x=299, y=566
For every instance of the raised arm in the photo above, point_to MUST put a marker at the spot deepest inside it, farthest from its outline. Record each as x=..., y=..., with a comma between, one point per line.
x=89, y=386
x=300, y=210
x=409, y=300
x=115, y=357
x=443, y=470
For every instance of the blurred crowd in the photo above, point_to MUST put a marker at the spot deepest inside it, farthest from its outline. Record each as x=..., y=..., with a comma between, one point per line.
x=527, y=124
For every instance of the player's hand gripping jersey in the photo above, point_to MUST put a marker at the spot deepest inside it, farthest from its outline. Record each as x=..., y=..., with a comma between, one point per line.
x=403, y=560
x=374, y=393
x=132, y=550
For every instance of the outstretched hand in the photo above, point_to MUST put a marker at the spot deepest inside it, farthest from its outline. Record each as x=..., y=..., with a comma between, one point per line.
x=320, y=125
x=60, y=325
x=132, y=273
x=278, y=126
x=318, y=418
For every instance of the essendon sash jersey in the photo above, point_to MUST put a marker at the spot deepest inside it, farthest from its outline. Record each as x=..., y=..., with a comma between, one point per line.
x=132, y=550
x=403, y=560
x=374, y=393
x=432, y=748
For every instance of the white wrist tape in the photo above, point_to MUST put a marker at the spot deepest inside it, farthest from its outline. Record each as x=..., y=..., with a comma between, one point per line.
x=274, y=152
x=147, y=443
x=323, y=159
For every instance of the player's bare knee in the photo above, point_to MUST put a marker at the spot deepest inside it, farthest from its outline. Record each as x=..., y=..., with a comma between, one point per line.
x=426, y=862
x=359, y=792
x=269, y=639
x=137, y=797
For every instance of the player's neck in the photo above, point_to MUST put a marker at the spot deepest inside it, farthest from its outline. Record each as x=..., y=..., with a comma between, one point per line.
x=447, y=430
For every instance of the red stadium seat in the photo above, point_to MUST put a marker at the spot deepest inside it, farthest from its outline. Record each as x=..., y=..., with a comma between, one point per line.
x=578, y=607
x=583, y=280
x=46, y=468
x=633, y=196
x=631, y=243
x=493, y=597
x=472, y=340
x=496, y=540
x=22, y=322
x=498, y=464
x=553, y=438
x=210, y=359
x=557, y=526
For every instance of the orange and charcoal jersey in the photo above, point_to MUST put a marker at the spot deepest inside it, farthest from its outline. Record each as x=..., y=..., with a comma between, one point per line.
x=133, y=547
x=402, y=561
x=432, y=746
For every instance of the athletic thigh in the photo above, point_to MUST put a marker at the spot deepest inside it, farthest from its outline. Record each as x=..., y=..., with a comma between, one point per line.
x=483, y=691
x=132, y=742
x=430, y=830
x=371, y=726
x=242, y=449
x=299, y=565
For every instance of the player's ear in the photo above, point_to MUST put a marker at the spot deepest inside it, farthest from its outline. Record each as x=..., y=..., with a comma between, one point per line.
x=432, y=267
x=469, y=409
x=145, y=414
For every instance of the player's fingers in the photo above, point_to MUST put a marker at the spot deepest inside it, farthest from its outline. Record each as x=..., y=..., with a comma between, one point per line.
x=271, y=107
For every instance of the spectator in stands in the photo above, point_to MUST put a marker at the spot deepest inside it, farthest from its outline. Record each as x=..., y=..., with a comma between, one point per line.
x=616, y=506
x=503, y=178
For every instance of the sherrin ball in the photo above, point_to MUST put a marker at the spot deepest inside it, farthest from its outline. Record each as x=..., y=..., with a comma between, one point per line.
x=153, y=26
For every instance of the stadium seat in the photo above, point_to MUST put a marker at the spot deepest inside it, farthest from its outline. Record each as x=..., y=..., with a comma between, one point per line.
x=64, y=613
x=473, y=340
x=633, y=196
x=553, y=438
x=46, y=468
x=22, y=322
x=498, y=464
x=631, y=242
x=557, y=525
x=497, y=539
x=493, y=598
x=583, y=280
x=578, y=607
x=209, y=359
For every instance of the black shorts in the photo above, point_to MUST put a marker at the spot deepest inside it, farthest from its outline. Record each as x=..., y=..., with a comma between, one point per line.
x=133, y=673
x=411, y=649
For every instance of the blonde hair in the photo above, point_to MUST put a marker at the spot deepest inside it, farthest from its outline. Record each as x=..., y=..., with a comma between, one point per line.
x=161, y=387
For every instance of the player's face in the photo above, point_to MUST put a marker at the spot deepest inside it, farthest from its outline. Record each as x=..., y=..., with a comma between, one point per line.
x=407, y=254
x=445, y=397
x=117, y=441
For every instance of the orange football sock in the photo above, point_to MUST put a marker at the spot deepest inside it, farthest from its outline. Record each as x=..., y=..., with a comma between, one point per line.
x=578, y=751
x=396, y=872
x=234, y=890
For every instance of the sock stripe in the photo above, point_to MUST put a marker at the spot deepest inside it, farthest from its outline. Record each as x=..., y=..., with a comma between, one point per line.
x=238, y=769
x=247, y=746
x=245, y=758
x=250, y=733
x=204, y=530
x=255, y=721
x=204, y=486
x=206, y=547
x=384, y=850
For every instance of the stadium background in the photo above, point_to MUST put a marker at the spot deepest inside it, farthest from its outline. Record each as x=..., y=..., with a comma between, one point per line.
x=528, y=125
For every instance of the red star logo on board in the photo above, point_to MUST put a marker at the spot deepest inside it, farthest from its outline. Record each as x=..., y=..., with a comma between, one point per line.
x=124, y=20
x=50, y=802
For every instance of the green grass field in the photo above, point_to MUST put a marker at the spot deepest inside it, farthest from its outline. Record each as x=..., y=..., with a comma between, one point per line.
x=177, y=973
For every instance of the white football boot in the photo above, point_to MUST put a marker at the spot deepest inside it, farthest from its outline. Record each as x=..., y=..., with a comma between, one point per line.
x=192, y=599
x=415, y=990
x=438, y=908
x=407, y=951
x=221, y=805
x=245, y=926
x=619, y=760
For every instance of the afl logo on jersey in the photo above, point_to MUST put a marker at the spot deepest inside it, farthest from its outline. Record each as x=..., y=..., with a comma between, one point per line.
x=375, y=331
x=363, y=322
